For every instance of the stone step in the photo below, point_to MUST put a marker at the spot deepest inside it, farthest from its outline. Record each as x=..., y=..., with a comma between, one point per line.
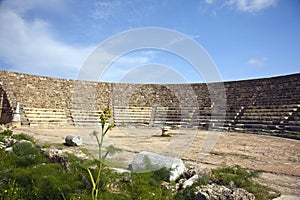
x=43, y=115
x=79, y=111
x=275, y=114
x=131, y=108
x=87, y=122
x=49, y=124
x=293, y=128
x=47, y=120
x=259, y=126
x=42, y=109
x=251, y=121
x=264, y=118
x=118, y=121
x=85, y=118
x=294, y=122
x=280, y=106
x=132, y=113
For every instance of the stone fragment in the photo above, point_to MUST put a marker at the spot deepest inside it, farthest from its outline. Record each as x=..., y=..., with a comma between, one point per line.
x=214, y=191
x=165, y=130
x=73, y=140
x=190, y=181
x=242, y=194
x=148, y=161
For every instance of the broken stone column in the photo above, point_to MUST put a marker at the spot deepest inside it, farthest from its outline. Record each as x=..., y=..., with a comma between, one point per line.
x=73, y=140
x=16, y=121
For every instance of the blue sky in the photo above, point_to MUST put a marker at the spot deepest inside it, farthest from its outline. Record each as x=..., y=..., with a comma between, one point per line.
x=244, y=38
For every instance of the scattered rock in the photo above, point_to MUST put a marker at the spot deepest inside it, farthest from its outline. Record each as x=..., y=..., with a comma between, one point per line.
x=59, y=156
x=120, y=170
x=9, y=149
x=165, y=185
x=190, y=172
x=214, y=191
x=9, y=141
x=190, y=181
x=242, y=194
x=147, y=161
x=73, y=140
x=2, y=145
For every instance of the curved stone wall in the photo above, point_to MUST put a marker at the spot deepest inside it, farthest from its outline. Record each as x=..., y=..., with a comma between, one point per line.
x=260, y=96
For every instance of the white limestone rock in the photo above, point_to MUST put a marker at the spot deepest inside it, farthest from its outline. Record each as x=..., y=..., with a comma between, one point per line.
x=148, y=161
x=190, y=181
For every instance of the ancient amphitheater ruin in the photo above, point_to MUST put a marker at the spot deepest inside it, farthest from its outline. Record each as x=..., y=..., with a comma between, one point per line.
x=50, y=108
x=269, y=105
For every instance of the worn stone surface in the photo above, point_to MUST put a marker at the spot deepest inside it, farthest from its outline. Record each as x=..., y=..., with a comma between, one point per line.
x=148, y=161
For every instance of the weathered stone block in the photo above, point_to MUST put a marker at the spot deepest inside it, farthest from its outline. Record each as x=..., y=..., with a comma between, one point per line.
x=148, y=161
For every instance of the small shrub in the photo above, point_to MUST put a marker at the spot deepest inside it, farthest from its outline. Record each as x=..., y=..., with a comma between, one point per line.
x=26, y=155
x=166, y=135
x=162, y=174
x=237, y=177
x=2, y=138
x=148, y=185
x=7, y=133
x=186, y=194
x=22, y=148
x=23, y=136
x=46, y=146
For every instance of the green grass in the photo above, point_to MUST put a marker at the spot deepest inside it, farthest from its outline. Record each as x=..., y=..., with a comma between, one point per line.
x=23, y=136
x=6, y=133
x=26, y=173
x=237, y=177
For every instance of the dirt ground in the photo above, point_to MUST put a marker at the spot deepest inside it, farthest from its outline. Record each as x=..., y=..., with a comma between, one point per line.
x=277, y=158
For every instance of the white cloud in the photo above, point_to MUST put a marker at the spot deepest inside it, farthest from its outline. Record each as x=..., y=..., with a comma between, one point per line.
x=251, y=5
x=257, y=62
x=30, y=46
x=104, y=10
x=125, y=64
x=209, y=1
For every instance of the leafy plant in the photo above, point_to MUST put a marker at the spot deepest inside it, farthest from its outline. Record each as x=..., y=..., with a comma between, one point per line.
x=104, y=117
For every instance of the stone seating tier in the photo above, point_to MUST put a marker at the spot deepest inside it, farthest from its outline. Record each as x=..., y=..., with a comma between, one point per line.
x=131, y=115
x=271, y=104
x=45, y=117
x=82, y=117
